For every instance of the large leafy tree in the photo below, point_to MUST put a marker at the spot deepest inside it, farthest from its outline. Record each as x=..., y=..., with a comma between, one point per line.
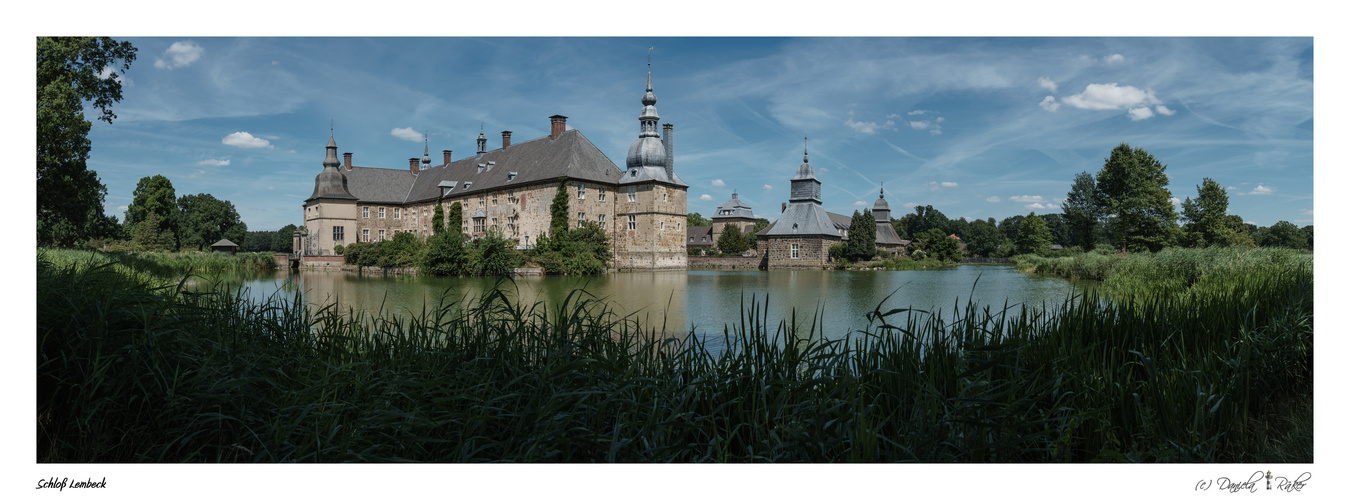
x=153, y=195
x=1032, y=235
x=284, y=239
x=1284, y=234
x=936, y=244
x=732, y=240
x=1206, y=217
x=1133, y=187
x=1059, y=229
x=206, y=220
x=71, y=71
x=983, y=238
x=1083, y=210
x=697, y=220
x=455, y=219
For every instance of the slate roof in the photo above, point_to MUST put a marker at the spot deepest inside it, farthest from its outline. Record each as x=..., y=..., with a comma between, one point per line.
x=734, y=209
x=645, y=174
x=695, y=236
x=542, y=159
x=223, y=243
x=886, y=235
x=809, y=220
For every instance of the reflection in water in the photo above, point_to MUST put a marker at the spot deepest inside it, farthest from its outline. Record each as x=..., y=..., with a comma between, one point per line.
x=704, y=301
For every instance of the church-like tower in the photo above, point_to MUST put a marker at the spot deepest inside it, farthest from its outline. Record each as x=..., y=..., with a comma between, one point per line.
x=330, y=210
x=802, y=236
x=651, y=206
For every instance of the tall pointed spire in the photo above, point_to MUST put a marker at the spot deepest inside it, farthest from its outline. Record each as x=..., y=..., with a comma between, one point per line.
x=805, y=158
x=426, y=151
x=883, y=190
x=648, y=150
x=482, y=139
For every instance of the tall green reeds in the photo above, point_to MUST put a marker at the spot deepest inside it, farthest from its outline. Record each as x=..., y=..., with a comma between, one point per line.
x=139, y=371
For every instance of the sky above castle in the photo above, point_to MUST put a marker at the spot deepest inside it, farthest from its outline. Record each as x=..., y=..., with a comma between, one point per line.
x=975, y=127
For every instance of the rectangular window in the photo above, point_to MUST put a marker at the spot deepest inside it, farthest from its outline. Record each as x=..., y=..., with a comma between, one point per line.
x=381, y=212
x=381, y=234
x=581, y=191
x=494, y=224
x=796, y=250
x=397, y=213
x=665, y=196
x=601, y=196
x=511, y=228
x=581, y=217
x=663, y=225
x=632, y=194
x=478, y=225
x=632, y=223
x=494, y=199
x=365, y=235
x=365, y=212
x=601, y=218
x=337, y=233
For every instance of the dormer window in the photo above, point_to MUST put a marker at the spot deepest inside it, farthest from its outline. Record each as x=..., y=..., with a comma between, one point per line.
x=510, y=176
x=481, y=166
x=491, y=164
x=467, y=185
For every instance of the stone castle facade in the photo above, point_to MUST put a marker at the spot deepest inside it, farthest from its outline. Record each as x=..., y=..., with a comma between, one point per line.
x=509, y=191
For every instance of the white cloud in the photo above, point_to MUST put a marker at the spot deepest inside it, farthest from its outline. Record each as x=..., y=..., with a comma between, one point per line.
x=919, y=112
x=932, y=127
x=718, y=183
x=178, y=55
x=1041, y=206
x=121, y=208
x=934, y=186
x=271, y=188
x=909, y=204
x=706, y=197
x=949, y=184
x=1047, y=84
x=1142, y=113
x=1028, y=199
x=407, y=134
x=245, y=140
x=993, y=199
x=213, y=163
x=767, y=187
x=1260, y=189
x=197, y=174
x=1049, y=103
x=1099, y=96
x=1163, y=110
x=1175, y=201
x=1306, y=211
x=1115, y=58
x=869, y=128
x=859, y=203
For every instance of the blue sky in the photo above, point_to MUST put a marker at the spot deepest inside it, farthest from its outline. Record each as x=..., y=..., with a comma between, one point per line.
x=975, y=127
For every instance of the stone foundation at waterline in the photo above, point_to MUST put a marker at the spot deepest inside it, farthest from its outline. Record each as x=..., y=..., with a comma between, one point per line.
x=812, y=253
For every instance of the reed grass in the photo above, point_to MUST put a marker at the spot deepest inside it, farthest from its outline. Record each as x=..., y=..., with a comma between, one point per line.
x=137, y=370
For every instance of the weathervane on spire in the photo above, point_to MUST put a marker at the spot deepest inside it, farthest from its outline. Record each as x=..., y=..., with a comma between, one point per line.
x=804, y=150
x=883, y=189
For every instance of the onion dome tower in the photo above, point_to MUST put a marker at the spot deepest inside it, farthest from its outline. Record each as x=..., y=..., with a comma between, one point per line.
x=331, y=183
x=882, y=210
x=651, y=158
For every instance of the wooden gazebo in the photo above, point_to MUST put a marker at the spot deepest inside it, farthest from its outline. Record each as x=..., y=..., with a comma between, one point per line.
x=225, y=245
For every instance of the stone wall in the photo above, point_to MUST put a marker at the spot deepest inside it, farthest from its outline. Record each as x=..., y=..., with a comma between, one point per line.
x=812, y=253
x=725, y=263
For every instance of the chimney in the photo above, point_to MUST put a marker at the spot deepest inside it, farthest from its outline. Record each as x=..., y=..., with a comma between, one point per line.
x=446, y=152
x=347, y=161
x=784, y=208
x=559, y=126
x=506, y=138
x=412, y=165
x=668, y=137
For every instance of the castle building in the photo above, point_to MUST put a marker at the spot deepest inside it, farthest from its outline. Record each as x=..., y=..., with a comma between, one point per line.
x=802, y=235
x=509, y=191
x=887, y=238
x=732, y=213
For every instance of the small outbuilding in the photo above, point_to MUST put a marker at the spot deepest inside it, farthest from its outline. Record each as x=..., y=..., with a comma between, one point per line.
x=225, y=245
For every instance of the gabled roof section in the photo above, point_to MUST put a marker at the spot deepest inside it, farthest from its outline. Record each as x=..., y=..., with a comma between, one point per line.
x=571, y=155
x=886, y=235
x=802, y=219
x=380, y=185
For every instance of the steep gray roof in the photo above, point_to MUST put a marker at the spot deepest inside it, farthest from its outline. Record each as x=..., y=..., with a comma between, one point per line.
x=223, y=243
x=570, y=155
x=696, y=235
x=646, y=174
x=886, y=235
x=841, y=221
x=733, y=208
x=802, y=219
x=380, y=185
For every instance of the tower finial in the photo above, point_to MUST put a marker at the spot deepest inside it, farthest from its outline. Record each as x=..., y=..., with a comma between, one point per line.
x=883, y=190
x=804, y=150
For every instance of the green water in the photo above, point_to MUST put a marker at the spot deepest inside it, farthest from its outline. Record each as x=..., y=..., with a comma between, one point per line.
x=701, y=301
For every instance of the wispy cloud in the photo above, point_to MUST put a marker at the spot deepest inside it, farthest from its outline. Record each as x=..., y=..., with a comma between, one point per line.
x=706, y=197
x=179, y=54
x=767, y=187
x=213, y=163
x=993, y=199
x=1049, y=104
x=1115, y=59
x=246, y=140
x=869, y=128
x=1262, y=189
x=934, y=186
x=1047, y=84
x=718, y=183
x=1028, y=199
x=1042, y=206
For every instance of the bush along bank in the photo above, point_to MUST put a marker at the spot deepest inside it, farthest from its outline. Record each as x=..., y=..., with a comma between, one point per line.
x=132, y=371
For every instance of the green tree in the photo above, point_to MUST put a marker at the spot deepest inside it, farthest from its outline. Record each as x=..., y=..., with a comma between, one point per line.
x=753, y=237
x=455, y=219
x=1308, y=232
x=1206, y=217
x=862, y=236
x=1083, y=210
x=437, y=220
x=696, y=220
x=732, y=241
x=205, y=220
x=558, y=210
x=154, y=195
x=284, y=239
x=1032, y=236
x=1009, y=226
x=1059, y=229
x=983, y=238
x=446, y=255
x=934, y=243
x=1285, y=234
x=1133, y=185
x=71, y=71
x=147, y=234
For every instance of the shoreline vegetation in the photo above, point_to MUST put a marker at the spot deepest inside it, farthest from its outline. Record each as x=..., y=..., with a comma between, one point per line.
x=1213, y=363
